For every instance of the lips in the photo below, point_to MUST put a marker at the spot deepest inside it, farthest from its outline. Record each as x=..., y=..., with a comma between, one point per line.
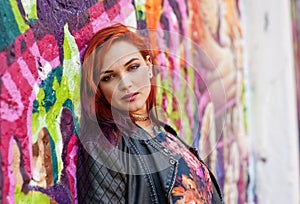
x=130, y=97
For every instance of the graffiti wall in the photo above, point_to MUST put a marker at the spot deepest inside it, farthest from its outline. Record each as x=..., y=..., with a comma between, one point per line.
x=198, y=51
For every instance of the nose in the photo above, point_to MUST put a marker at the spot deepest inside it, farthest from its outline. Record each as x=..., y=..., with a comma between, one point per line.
x=125, y=83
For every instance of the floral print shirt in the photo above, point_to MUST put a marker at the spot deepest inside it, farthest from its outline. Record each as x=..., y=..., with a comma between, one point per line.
x=193, y=184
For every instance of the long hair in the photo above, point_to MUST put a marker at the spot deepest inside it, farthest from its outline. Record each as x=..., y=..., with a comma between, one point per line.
x=94, y=106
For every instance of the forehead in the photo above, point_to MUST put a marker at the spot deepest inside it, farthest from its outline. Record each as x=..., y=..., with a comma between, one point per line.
x=119, y=53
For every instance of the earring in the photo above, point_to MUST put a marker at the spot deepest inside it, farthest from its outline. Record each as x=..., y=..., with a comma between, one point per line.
x=150, y=75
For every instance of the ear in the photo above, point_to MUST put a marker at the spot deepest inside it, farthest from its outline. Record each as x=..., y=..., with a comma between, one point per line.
x=149, y=64
x=148, y=60
x=150, y=71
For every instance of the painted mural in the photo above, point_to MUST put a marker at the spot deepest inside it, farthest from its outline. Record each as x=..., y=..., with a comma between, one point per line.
x=198, y=51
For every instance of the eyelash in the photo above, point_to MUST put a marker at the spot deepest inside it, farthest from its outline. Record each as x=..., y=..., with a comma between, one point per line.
x=131, y=68
x=107, y=78
x=134, y=66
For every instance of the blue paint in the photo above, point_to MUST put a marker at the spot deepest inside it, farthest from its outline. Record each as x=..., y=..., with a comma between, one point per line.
x=9, y=29
x=47, y=85
x=54, y=159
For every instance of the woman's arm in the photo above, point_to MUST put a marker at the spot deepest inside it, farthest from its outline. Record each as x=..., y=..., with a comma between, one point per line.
x=96, y=183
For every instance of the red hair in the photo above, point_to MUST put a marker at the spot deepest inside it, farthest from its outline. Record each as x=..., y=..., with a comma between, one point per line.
x=93, y=103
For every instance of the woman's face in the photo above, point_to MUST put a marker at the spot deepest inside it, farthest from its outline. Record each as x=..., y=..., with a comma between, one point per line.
x=124, y=78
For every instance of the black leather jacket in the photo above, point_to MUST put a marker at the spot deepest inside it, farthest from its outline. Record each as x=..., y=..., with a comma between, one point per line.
x=140, y=171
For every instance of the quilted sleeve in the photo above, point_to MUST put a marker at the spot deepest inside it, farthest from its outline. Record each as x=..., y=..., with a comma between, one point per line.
x=98, y=184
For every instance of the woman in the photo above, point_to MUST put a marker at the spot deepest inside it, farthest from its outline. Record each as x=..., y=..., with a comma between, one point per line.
x=126, y=154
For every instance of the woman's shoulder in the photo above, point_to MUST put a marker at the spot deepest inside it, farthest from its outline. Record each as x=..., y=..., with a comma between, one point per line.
x=173, y=133
x=168, y=128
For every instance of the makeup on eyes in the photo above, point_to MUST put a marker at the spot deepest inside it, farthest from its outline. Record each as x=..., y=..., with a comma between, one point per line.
x=130, y=65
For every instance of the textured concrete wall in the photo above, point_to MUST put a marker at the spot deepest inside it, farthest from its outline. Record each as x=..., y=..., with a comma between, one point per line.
x=273, y=127
x=295, y=4
x=199, y=55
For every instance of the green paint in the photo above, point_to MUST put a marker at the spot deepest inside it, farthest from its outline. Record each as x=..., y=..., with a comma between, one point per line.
x=187, y=92
x=54, y=160
x=72, y=66
x=48, y=115
x=35, y=106
x=33, y=13
x=60, y=89
x=46, y=85
x=69, y=105
x=18, y=16
x=67, y=49
x=30, y=10
x=9, y=29
x=158, y=90
x=38, y=117
x=140, y=10
x=30, y=197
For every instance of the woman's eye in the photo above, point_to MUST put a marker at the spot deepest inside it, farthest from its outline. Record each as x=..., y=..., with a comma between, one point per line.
x=134, y=67
x=107, y=78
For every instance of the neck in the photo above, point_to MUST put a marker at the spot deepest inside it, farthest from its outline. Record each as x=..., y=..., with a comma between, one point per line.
x=141, y=115
x=140, y=118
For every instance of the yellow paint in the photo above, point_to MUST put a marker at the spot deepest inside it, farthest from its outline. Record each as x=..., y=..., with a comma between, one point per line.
x=30, y=9
x=18, y=16
x=30, y=197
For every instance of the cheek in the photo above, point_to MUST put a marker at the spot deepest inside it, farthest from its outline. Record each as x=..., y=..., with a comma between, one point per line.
x=143, y=78
x=107, y=92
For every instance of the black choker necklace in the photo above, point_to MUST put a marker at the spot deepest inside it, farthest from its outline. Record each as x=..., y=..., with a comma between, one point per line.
x=140, y=118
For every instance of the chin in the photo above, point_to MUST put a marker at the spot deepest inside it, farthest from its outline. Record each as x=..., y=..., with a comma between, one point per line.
x=137, y=107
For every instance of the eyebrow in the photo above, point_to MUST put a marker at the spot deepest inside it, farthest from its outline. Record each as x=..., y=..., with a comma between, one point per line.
x=107, y=71
x=126, y=64
x=133, y=59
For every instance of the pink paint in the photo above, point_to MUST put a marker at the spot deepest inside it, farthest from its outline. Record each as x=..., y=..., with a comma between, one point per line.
x=163, y=65
x=226, y=106
x=3, y=61
x=31, y=98
x=36, y=57
x=174, y=46
x=162, y=59
x=71, y=166
x=190, y=114
x=55, y=62
x=204, y=100
x=124, y=13
x=185, y=30
x=96, y=11
x=113, y=12
x=101, y=22
x=165, y=102
x=160, y=38
x=11, y=104
x=229, y=140
x=34, y=49
x=184, y=18
x=27, y=74
x=83, y=35
x=48, y=48
x=28, y=38
x=17, y=87
x=12, y=187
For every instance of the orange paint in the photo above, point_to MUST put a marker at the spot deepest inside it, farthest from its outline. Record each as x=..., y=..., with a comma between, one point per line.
x=153, y=13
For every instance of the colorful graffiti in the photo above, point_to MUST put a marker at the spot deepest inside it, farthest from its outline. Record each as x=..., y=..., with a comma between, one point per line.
x=198, y=52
